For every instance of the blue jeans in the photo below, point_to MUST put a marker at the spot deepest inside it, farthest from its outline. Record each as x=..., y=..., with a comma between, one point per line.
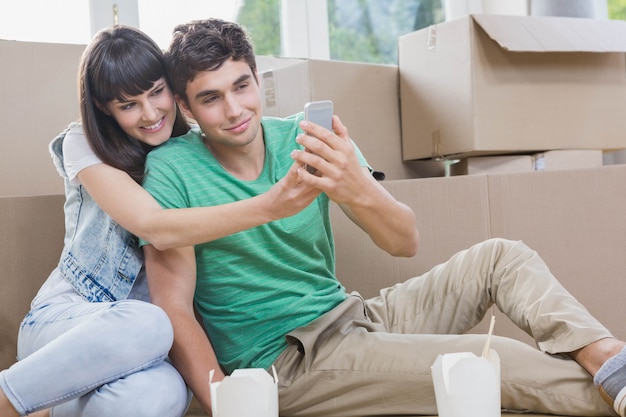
x=96, y=359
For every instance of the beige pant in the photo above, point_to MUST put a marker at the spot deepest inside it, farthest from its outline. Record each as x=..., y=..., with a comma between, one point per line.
x=373, y=357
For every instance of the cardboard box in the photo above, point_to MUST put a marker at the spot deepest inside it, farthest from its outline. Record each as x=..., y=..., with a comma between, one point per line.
x=39, y=87
x=31, y=232
x=487, y=84
x=500, y=164
x=572, y=218
x=568, y=159
x=452, y=214
x=542, y=161
x=365, y=98
x=427, y=168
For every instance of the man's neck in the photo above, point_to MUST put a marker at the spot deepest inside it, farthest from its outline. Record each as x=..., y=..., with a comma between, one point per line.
x=244, y=162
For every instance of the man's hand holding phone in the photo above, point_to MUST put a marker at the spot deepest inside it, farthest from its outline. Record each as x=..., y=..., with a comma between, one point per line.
x=339, y=172
x=320, y=113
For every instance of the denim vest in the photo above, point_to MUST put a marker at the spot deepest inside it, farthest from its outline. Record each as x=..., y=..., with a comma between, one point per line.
x=100, y=258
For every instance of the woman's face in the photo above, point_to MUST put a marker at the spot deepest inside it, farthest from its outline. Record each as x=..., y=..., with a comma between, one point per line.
x=148, y=117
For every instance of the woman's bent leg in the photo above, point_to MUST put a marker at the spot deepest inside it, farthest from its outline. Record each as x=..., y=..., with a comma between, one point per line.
x=156, y=391
x=68, y=350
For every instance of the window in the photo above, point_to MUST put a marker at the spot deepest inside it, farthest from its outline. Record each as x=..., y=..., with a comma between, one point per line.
x=358, y=30
x=46, y=21
x=69, y=21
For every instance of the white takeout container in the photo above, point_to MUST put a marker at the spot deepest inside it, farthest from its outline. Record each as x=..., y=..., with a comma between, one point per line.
x=467, y=385
x=245, y=393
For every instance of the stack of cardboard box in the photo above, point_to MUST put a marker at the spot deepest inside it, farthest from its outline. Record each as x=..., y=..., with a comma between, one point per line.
x=39, y=98
x=513, y=93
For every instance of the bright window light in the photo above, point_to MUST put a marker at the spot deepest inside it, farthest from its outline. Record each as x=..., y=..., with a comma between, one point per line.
x=67, y=21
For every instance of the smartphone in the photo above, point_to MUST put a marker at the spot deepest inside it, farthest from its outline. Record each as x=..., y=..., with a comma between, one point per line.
x=321, y=113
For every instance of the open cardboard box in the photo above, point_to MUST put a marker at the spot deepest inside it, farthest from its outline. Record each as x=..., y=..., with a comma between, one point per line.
x=486, y=84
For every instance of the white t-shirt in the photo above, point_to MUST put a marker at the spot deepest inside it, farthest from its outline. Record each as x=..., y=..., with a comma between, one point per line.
x=78, y=155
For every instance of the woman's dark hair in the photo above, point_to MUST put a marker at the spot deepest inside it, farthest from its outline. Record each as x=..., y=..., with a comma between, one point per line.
x=120, y=62
x=204, y=45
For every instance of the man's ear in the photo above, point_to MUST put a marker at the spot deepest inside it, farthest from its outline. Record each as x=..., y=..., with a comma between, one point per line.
x=184, y=107
x=102, y=108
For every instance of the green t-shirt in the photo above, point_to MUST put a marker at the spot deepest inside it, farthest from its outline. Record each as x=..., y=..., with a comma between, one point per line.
x=255, y=286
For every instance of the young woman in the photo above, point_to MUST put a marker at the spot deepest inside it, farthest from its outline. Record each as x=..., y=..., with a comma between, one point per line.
x=92, y=345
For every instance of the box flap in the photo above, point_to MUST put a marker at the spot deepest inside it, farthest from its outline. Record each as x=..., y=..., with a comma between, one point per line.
x=554, y=34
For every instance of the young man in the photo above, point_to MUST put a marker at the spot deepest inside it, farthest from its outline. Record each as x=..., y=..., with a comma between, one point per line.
x=268, y=295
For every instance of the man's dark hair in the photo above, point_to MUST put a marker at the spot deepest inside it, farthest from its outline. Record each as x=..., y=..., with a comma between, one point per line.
x=204, y=45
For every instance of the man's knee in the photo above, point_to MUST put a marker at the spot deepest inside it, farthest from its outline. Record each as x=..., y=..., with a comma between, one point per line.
x=498, y=245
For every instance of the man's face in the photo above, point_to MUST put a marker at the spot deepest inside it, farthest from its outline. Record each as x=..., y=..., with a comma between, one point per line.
x=226, y=104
